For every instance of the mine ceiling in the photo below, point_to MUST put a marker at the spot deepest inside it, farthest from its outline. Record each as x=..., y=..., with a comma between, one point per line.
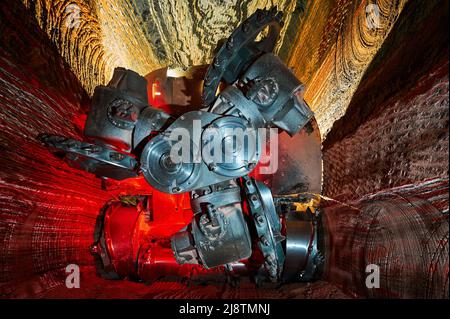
x=328, y=44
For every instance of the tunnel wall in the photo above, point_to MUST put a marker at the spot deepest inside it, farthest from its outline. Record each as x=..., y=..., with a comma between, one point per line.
x=47, y=209
x=402, y=231
x=386, y=166
x=395, y=130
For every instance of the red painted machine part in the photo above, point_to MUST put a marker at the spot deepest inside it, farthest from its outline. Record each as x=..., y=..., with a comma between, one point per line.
x=137, y=237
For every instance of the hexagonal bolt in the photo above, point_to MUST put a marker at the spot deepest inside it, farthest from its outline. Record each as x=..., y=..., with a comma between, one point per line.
x=269, y=260
x=93, y=249
x=71, y=144
x=230, y=44
x=216, y=62
x=259, y=219
x=264, y=241
x=116, y=156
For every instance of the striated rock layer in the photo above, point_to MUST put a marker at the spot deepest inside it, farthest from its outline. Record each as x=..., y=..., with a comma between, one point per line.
x=96, y=36
x=395, y=131
x=402, y=231
x=335, y=44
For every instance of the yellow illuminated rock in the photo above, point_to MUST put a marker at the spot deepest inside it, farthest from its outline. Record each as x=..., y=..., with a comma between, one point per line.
x=329, y=44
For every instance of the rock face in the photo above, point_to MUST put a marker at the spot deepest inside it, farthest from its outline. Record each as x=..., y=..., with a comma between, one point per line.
x=376, y=78
x=330, y=44
x=96, y=36
x=402, y=233
x=395, y=130
x=47, y=209
x=335, y=44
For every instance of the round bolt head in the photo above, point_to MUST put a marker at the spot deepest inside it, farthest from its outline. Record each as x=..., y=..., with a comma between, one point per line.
x=259, y=219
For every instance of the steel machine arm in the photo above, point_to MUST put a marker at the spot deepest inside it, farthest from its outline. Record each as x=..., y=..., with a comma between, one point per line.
x=207, y=155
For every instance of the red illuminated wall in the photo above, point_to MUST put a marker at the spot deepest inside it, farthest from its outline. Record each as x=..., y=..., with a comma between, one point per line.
x=395, y=133
x=47, y=210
